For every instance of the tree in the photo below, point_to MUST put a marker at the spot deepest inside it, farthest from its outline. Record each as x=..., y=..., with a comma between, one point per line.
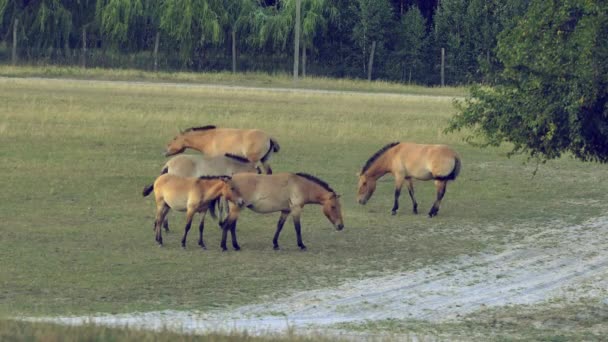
x=236, y=15
x=412, y=34
x=373, y=18
x=552, y=95
x=190, y=23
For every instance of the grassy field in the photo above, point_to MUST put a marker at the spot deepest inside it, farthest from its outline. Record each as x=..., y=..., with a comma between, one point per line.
x=250, y=79
x=77, y=238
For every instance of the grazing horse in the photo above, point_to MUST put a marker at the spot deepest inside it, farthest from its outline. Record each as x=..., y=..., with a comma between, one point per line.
x=284, y=192
x=194, y=165
x=192, y=195
x=408, y=161
x=253, y=144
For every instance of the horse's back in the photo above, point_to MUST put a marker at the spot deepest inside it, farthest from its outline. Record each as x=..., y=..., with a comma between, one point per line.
x=265, y=193
x=194, y=165
x=174, y=190
x=429, y=161
x=252, y=143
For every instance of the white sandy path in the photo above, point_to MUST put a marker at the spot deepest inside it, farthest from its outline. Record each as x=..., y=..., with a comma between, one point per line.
x=561, y=262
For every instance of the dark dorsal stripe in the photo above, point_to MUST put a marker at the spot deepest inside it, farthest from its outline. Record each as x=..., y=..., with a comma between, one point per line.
x=377, y=155
x=238, y=158
x=316, y=180
x=214, y=177
x=201, y=128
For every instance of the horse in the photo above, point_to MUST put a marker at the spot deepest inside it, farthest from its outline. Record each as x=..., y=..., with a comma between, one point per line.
x=408, y=161
x=253, y=144
x=284, y=192
x=194, y=165
x=192, y=195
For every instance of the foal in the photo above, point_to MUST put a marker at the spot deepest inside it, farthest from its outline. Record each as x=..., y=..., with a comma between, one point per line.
x=192, y=195
x=195, y=165
x=407, y=161
x=284, y=192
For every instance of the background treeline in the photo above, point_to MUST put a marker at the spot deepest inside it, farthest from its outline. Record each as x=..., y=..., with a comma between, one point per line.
x=403, y=38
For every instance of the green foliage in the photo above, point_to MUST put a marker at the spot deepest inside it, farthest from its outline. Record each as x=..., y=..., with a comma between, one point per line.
x=411, y=42
x=115, y=17
x=372, y=20
x=552, y=95
x=190, y=23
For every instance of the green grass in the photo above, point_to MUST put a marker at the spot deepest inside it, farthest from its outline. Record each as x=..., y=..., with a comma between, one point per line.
x=11, y=330
x=251, y=79
x=77, y=238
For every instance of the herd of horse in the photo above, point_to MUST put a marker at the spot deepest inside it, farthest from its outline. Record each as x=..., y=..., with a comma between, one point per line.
x=226, y=177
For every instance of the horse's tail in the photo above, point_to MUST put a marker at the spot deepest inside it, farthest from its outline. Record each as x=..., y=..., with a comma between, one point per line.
x=455, y=171
x=147, y=189
x=212, y=206
x=274, y=147
x=275, y=144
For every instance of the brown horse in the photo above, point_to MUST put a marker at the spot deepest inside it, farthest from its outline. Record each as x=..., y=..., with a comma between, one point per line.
x=284, y=192
x=408, y=161
x=192, y=195
x=195, y=165
x=253, y=144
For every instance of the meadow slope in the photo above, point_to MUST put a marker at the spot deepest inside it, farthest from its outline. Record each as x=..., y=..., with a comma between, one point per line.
x=77, y=237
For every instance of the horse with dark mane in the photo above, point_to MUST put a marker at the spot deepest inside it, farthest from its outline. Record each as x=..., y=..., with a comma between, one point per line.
x=284, y=192
x=253, y=144
x=192, y=195
x=406, y=162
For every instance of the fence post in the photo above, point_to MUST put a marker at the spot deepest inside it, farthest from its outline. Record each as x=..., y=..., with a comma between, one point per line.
x=156, y=42
x=84, y=47
x=14, y=56
x=442, y=67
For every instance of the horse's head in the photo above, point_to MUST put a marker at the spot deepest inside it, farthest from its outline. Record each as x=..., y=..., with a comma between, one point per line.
x=231, y=192
x=176, y=146
x=333, y=210
x=367, y=186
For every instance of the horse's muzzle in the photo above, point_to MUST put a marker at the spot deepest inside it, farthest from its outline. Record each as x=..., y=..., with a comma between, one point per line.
x=339, y=226
x=362, y=201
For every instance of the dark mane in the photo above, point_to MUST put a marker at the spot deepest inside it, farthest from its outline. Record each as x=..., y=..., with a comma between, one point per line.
x=316, y=180
x=214, y=177
x=377, y=155
x=237, y=158
x=201, y=128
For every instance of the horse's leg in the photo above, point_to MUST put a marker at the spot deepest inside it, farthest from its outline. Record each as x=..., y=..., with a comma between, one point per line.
x=282, y=219
x=201, y=226
x=189, y=215
x=228, y=222
x=161, y=213
x=440, y=185
x=297, y=226
x=410, y=189
x=267, y=168
x=235, y=244
x=166, y=224
x=398, y=186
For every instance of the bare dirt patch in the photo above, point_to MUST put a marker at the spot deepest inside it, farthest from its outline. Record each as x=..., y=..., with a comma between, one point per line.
x=560, y=262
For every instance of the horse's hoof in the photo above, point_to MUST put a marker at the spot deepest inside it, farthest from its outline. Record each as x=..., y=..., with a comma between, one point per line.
x=302, y=248
x=237, y=248
x=224, y=249
x=276, y=248
x=393, y=212
x=204, y=248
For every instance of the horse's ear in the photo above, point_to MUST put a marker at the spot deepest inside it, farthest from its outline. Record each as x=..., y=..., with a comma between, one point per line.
x=358, y=173
x=225, y=178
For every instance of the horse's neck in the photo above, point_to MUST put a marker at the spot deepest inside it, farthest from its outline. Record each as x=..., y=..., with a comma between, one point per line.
x=197, y=140
x=377, y=169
